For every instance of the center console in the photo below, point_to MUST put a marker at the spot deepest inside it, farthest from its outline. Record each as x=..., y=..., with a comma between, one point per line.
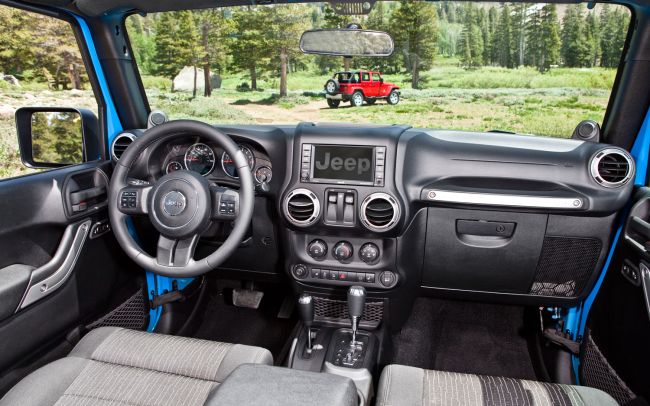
x=349, y=352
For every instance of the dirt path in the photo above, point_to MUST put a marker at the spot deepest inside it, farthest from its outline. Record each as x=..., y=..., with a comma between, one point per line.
x=270, y=114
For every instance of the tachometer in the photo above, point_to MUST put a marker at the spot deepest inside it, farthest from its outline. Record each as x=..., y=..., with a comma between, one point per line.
x=200, y=158
x=173, y=166
x=228, y=164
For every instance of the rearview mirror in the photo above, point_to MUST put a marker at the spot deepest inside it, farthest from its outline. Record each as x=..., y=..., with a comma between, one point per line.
x=347, y=42
x=51, y=137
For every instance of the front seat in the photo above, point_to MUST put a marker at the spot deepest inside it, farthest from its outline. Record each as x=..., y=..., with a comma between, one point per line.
x=114, y=367
x=407, y=386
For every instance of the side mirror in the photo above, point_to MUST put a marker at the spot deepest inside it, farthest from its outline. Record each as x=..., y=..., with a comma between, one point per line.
x=51, y=137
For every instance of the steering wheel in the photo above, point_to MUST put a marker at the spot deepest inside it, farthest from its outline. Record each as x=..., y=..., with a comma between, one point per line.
x=180, y=205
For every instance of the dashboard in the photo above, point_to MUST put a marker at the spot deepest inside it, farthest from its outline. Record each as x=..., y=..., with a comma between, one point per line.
x=402, y=211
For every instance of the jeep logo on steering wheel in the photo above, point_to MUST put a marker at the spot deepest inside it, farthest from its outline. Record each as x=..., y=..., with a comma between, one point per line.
x=174, y=203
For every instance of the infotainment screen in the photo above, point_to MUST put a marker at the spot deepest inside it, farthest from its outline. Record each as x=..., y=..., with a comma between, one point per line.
x=346, y=163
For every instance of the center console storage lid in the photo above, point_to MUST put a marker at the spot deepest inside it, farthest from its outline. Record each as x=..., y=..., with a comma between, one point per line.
x=263, y=385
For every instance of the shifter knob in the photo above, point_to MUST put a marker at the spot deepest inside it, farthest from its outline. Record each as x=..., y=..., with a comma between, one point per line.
x=306, y=308
x=356, y=300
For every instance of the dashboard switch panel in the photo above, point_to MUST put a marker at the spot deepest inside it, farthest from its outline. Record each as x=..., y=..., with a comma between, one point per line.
x=344, y=277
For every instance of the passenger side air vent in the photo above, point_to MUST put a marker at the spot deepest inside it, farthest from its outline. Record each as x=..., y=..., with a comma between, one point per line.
x=302, y=208
x=379, y=212
x=612, y=167
x=120, y=143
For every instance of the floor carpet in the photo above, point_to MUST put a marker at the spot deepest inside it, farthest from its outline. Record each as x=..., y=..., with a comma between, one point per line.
x=466, y=337
x=259, y=327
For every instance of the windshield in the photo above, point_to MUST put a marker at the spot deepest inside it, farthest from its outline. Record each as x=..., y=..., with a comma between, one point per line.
x=517, y=67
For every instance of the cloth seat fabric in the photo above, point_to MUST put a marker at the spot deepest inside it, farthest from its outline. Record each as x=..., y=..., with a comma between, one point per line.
x=407, y=386
x=115, y=367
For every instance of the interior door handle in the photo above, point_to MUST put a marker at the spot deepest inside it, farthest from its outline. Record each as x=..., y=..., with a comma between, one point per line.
x=640, y=226
x=51, y=276
x=86, y=194
x=645, y=285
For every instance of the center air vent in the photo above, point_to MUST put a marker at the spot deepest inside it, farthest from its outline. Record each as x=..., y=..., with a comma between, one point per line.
x=302, y=208
x=612, y=167
x=120, y=143
x=379, y=212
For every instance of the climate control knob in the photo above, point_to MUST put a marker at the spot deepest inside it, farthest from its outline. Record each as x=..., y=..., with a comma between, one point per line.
x=343, y=251
x=317, y=249
x=369, y=253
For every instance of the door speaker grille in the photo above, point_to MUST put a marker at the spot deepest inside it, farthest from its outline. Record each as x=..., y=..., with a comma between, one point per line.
x=597, y=373
x=131, y=314
x=565, y=266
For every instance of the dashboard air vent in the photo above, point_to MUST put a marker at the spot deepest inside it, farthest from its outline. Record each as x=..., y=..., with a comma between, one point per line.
x=612, y=167
x=379, y=212
x=120, y=143
x=302, y=208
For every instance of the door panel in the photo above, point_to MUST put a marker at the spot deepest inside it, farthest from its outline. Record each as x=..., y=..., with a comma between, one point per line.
x=616, y=353
x=72, y=269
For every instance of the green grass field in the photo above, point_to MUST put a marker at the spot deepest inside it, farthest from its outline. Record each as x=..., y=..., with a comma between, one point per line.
x=520, y=100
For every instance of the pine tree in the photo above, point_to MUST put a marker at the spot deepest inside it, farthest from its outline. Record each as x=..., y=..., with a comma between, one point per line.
x=414, y=26
x=493, y=23
x=613, y=25
x=549, y=38
x=471, y=41
x=503, y=40
x=167, y=54
x=250, y=48
x=592, y=37
x=518, y=21
x=575, y=52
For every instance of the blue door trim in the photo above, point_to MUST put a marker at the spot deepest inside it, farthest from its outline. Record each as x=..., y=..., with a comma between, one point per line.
x=156, y=285
x=576, y=319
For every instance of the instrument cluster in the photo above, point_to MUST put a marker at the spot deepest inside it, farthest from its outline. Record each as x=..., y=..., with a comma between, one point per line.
x=214, y=162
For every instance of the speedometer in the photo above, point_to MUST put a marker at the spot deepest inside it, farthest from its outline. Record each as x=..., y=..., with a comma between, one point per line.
x=229, y=166
x=199, y=158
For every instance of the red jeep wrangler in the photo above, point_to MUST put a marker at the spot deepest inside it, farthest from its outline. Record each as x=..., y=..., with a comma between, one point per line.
x=357, y=86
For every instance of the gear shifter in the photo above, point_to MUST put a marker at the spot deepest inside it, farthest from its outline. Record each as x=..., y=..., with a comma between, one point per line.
x=356, y=303
x=306, y=308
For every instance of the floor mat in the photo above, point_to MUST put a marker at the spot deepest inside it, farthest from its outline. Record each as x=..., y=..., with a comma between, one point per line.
x=259, y=327
x=466, y=337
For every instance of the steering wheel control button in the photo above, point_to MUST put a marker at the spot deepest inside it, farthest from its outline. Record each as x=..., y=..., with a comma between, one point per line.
x=129, y=199
x=174, y=203
x=317, y=249
x=387, y=279
x=300, y=271
x=369, y=253
x=343, y=251
x=226, y=203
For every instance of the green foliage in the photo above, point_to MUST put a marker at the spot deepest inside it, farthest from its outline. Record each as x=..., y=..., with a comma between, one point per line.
x=414, y=26
x=40, y=48
x=57, y=138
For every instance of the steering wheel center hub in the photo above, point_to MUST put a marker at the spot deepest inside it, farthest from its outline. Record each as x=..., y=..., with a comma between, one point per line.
x=180, y=204
x=174, y=203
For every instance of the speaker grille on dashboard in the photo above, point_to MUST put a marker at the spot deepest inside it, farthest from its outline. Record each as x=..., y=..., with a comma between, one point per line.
x=565, y=266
